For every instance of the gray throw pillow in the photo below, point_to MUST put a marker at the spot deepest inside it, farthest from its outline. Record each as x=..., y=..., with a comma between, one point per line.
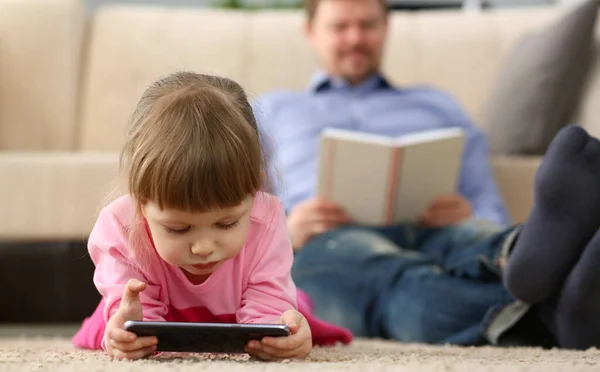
x=540, y=84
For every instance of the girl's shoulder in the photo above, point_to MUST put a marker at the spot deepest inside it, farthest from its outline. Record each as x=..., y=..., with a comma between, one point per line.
x=267, y=209
x=115, y=221
x=268, y=237
x=121, y=209
x=267, y=224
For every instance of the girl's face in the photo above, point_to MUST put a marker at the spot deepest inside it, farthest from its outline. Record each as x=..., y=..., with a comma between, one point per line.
x=198, y=242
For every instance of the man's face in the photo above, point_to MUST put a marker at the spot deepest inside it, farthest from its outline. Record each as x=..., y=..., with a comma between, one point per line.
x=348, y=36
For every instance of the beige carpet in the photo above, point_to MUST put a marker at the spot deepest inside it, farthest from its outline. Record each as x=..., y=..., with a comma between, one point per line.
x=48, y=354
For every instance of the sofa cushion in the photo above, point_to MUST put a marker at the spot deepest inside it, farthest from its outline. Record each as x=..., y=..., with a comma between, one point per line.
x=460, y=52
x=53, y=196
x=515, y=176
x=277, y=56
x=39, y=73
x=130, y=46
x=539, y=86
x=587, y=114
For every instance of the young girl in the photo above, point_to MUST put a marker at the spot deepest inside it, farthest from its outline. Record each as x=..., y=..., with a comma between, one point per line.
x=195, y=239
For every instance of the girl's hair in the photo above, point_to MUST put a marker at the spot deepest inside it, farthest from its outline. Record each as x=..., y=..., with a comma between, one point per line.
x=194, y=145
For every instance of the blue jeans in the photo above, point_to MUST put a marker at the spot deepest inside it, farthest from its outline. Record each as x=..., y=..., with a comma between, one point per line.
x=411, y=284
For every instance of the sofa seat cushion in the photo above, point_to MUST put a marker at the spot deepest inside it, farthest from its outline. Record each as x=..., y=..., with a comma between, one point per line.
x=53, y=195
x=40, y=49
x=515, y=176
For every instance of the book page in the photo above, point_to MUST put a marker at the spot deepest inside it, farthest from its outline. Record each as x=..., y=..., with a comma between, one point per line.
x=432, y=135
x=354, y=174
x=427, y=170
x=354, y=136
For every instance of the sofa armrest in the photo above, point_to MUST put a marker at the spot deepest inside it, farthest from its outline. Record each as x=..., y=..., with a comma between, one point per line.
x=52, y=195
x=515, y=177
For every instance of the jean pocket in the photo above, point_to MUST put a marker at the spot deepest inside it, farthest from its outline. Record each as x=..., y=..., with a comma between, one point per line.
x=477, y=267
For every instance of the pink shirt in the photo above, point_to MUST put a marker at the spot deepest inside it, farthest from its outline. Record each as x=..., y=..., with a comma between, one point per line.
x=253, y=287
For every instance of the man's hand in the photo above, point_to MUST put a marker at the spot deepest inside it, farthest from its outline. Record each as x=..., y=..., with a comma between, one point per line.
x=447, y=210
x=314, y=217
x=120, y=343
x=295, y=346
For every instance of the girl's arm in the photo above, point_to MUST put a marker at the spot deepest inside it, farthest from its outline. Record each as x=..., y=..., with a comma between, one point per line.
x=109, y=249
x=270, y=291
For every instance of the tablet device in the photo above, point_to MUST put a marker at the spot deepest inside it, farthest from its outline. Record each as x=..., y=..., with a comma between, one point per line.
x=205, y=337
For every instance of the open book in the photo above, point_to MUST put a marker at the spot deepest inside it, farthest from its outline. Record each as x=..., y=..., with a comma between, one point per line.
x=381, y=180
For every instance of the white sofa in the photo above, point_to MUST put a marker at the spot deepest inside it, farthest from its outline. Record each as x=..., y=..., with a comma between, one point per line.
x=69, y=81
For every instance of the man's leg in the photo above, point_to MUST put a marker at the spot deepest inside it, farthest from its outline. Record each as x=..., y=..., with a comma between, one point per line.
x=354, y=289
x=577, y=309
x=345, y=270
x=471, y=250
x=565, y=216
x=427, y=305
x=362, y=281
x=557, y=252
x=458, y=299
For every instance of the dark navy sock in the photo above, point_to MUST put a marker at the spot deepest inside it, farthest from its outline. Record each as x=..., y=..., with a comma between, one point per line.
x=577, y=313
x=564, y=217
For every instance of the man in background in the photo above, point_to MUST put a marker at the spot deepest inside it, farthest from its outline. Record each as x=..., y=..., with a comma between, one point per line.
x=350, y=92
x=437, y=281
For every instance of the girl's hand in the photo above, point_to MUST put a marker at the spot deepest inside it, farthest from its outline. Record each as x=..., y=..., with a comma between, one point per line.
x=120, y=343
x=295, y=346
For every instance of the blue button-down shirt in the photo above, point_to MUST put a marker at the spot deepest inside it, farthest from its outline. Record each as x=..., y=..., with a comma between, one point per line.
x=292, y=123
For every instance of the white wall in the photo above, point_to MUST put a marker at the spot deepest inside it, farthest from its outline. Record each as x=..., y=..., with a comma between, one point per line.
x=93, y=4
x=568, y=2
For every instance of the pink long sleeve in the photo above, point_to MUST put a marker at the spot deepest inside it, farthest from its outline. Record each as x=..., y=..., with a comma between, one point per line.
x=108, y=246
x=253, y=287
x=270, y=290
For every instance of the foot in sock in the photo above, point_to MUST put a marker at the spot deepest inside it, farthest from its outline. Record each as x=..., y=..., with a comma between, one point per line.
x=564, y=217
x=576, y=315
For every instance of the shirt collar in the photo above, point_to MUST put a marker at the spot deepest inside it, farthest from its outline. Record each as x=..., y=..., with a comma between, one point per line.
x=321, y=81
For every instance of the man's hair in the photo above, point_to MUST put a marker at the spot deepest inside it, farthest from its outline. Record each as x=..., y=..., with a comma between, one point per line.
x=311, y=7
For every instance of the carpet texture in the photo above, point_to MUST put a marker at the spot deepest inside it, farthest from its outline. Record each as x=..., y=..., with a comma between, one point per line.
x=46, y=354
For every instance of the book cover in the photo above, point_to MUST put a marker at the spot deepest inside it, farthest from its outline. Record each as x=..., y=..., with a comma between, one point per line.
x=381, y=180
